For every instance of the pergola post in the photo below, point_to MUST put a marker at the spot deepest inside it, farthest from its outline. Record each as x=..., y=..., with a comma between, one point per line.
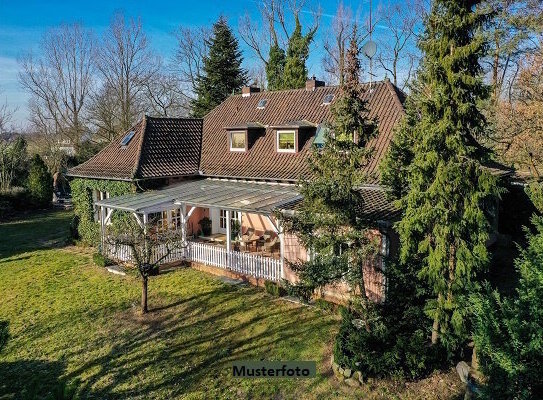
x=278, y=229
x=102, y=226
x=228, y=237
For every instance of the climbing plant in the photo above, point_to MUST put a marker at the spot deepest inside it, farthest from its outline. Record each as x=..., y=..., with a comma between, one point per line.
x=87, y=228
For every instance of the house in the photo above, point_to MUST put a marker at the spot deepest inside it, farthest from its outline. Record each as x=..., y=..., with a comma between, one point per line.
x=240, y=163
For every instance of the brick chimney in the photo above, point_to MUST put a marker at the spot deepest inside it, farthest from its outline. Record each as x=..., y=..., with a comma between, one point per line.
x=247, y=90
x=312, y=83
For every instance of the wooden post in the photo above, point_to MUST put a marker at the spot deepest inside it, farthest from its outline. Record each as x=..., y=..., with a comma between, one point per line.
x=278, y=229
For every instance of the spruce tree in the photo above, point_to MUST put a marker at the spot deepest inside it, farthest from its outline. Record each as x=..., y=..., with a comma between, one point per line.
x=275, y=66
x=437, y=166
x=508, y=332
x=222, y=71
x=295, y=74
x=328, y=222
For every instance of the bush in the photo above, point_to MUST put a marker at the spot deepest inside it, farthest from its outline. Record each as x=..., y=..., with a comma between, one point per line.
x=40, y=183
x=397, y=343
x=304, y=293
x=101, y=261
x=274, y=289
x=508, y=332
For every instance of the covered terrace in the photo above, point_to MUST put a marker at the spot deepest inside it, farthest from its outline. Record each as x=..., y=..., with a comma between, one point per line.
x=225, y=224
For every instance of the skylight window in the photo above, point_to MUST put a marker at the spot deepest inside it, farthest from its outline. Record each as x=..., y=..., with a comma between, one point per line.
x=127, y=138
x=327, y=99
x=262, y=104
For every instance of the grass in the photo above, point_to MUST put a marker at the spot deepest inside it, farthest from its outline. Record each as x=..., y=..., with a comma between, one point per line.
x=72, y=322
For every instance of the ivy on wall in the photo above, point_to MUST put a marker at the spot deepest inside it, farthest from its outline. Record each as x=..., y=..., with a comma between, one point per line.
x=82, y=189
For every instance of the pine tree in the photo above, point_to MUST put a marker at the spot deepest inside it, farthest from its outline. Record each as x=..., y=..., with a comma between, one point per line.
x=295, y=74
x=438, y=166
x=328, y=222
x=222, y=71
x=275, y=66
x=40, y=182
x=508, y=332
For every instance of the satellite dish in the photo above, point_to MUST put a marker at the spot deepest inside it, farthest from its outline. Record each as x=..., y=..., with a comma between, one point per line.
x=370, y=48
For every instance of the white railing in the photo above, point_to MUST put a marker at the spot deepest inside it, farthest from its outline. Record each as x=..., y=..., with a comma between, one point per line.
x=243, y=263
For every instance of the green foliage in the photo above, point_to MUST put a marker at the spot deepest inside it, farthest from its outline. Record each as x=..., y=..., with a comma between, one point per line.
x=4, y=334
x=275, y=67
x=13, y=163
x=222, y=71
x=274, y=288
x=508, y=332
x=40, y=182
x=397, y=344
x=328, y=222
x=295, y=71
x=435, y=166
x=100, y=260
x=88, y=229
x=205, y=224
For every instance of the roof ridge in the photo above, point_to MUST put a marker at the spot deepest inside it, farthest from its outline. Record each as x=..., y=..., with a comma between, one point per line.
x=140, y=147
x=175, y=118
x=394, y=93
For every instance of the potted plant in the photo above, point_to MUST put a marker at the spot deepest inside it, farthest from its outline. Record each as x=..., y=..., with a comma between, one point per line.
x=235, y=229
x=205, y=223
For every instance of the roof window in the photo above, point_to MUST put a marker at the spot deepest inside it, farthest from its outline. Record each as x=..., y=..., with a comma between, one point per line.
x=127, y=138
x=327, y=99
x=262, y=104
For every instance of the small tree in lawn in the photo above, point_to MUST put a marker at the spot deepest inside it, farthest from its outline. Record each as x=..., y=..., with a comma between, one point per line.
x=148, y=245
x=436, y=167
x=328, y=222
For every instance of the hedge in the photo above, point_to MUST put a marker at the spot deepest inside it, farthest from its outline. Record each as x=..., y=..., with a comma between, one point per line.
x=87, y=228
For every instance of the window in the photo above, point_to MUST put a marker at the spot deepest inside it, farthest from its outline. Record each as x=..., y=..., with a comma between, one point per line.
x=127, y=138
x=286, y=141
x=262, y=104
x=238, y=141
x=327, y=99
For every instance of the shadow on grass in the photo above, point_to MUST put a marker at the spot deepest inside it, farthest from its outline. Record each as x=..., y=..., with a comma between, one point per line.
x=194, y=341
x=41, y=230
x=32, y=379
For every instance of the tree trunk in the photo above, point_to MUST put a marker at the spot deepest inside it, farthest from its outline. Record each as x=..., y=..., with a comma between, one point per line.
x=435, y=325
x=144, y=295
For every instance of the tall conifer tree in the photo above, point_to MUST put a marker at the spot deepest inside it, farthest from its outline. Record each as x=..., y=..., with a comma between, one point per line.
x=435, y=166
x=223, y=73
x=275, y=66
x=328, y=222
x=295, y=74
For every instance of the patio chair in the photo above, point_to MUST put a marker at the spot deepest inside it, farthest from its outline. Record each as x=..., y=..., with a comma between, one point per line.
x=249, y=237
x=270, y=245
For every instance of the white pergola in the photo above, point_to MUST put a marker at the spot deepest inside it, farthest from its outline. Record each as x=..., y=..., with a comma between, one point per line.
x=232, y=196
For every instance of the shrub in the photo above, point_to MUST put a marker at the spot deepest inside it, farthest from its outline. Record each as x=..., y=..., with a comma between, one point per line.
x=274, y=289
x=304, y=293
x=205, y=223
x=100, y=260
x=40, y=182
x=508, y=332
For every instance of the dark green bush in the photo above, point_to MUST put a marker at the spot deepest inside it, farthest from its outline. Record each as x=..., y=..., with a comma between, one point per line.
x=100, y=260
x=303, y=293
x=274, y=289
x=4, y=334
x=40, y=183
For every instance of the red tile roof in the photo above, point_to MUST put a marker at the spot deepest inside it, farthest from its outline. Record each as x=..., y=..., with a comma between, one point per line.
x=161, y=147
x=262, y=161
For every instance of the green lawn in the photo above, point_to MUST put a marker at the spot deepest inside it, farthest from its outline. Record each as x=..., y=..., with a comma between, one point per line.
x=70, y=321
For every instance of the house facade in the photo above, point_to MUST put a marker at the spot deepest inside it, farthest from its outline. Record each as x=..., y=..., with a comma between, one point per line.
x=222, y=180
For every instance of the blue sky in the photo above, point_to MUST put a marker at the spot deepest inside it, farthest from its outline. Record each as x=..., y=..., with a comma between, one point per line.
x=22, y=24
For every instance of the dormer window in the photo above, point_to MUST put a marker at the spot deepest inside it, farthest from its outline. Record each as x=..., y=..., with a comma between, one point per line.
x=238, y=141
x=286, y=141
